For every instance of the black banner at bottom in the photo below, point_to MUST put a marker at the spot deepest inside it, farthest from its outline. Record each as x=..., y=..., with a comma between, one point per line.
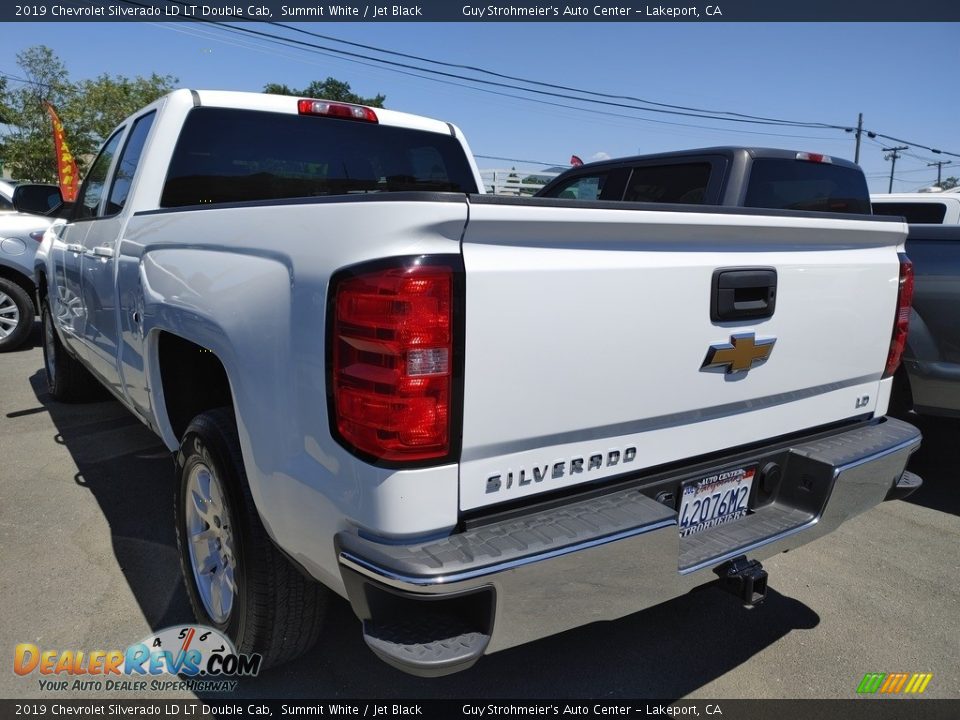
x=858, y=709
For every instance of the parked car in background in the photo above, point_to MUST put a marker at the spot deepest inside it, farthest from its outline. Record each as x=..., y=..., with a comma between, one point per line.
x=929, y=378
x=20, y=236
x=729, y=176
x=6, y=194
x=920, y=208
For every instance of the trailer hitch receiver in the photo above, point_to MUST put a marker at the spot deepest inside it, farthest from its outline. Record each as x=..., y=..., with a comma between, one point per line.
x=744, y=578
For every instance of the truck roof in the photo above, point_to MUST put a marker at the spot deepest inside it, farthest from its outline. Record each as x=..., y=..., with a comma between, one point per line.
x=725, y=150
x=283, y=104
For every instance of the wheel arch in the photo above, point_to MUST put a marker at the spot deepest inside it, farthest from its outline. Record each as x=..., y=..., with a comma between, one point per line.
x=189, y=379
x=20, y=278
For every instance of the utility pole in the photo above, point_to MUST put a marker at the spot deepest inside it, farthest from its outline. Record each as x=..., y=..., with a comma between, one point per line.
x=894, y=154
x=856, y=155
x=939, y=166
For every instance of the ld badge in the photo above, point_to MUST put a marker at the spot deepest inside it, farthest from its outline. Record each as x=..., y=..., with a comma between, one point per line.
x=744, y=352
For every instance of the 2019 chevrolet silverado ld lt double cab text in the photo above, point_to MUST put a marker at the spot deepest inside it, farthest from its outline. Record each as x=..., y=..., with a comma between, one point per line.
x=468, y=415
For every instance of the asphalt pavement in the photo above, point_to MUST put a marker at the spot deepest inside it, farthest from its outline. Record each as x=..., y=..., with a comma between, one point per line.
x=88, y=562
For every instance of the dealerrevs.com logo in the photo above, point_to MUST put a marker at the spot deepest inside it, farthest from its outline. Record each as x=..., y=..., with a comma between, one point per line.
x=203, y=658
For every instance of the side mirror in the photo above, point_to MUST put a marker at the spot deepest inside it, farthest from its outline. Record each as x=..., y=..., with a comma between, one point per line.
x=37, y=199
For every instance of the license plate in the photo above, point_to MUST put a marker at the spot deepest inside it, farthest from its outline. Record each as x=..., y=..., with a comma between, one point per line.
x=715, y=500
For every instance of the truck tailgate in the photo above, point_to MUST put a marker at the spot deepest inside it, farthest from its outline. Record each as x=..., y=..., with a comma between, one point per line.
x=586, y=330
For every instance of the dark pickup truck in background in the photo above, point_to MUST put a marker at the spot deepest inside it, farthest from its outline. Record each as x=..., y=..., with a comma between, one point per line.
x=929, y=379
x=728, y=176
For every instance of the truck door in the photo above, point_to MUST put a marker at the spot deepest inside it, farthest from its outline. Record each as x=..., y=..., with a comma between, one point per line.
x=72, y=310
x=98, y=265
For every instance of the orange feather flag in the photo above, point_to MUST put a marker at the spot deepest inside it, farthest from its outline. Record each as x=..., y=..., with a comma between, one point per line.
x=66, y=164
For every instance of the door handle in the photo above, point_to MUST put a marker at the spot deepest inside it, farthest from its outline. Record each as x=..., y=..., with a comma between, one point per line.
x=102, y=251
x=74, y=247
x=743, y=294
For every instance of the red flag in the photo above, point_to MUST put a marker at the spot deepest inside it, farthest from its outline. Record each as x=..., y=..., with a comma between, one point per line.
x=66, y=165
x=575, y=161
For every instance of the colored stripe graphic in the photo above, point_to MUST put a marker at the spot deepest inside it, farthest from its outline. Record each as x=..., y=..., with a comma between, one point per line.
x=894, y=683
x=898, y=681
x=871, y=683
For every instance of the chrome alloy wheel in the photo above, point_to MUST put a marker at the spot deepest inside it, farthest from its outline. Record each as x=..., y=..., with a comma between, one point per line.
x=211, y=542
x=9, y=315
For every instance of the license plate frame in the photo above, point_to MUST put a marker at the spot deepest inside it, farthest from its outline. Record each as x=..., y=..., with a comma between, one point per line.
x=717, y=499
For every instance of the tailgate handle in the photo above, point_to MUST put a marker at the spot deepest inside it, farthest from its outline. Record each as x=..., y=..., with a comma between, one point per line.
x=743, y=294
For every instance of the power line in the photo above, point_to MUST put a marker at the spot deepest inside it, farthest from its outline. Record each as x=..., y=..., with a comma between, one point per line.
x=540, y=83
x=407, y=66
x=593, y=111
x=696, y=113
x=538, y=101
x=529, y=162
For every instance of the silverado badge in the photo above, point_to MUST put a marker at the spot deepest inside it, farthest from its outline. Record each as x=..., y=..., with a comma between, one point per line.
x=744, y=352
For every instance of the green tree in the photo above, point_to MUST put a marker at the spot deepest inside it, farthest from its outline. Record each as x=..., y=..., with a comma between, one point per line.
x=949, y=183
x=89, y=110
x=329, y=89
x=28, y=146
x=104, y=101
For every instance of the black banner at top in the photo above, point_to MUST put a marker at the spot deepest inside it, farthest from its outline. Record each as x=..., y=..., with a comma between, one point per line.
x=482, y=11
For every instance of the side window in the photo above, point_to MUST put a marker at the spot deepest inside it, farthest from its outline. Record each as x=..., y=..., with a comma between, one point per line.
x=5, y=204
x=127, y=165
x=929, y=213
x=585, y=187
x=674, y=183
x=88, y=201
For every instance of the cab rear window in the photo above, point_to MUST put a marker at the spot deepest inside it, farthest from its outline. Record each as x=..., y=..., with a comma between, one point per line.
x=227, y=155
x=919, y=212
x=787, y=184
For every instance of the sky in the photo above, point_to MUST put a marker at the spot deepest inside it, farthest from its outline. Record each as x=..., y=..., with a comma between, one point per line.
x=896, y=74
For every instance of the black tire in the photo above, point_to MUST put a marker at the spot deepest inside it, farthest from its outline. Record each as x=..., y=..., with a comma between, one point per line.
x=276, y=611
x=22, y=307
x=67, y=379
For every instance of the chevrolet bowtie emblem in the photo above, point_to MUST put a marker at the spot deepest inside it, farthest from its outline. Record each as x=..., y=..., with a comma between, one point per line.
x=743, y=352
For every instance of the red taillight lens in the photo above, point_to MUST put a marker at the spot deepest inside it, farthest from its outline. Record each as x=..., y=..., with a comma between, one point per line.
x=37, y=235
x=901, y=323
x=392, y=361
x=325, y=108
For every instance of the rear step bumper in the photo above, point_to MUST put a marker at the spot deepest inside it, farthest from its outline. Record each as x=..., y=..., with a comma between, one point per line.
x=435, y=607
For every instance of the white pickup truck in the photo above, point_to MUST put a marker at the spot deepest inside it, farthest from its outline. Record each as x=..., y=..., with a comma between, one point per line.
x=482, y=420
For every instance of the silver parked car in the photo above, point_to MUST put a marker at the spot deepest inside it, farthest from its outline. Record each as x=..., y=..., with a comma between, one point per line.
x=20, y=235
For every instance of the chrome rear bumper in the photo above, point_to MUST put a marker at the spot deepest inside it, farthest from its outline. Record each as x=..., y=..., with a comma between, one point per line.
x=435, y=607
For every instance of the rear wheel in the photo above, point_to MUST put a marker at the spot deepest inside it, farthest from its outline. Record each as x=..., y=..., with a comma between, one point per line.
x=237, y=580
x=16, y=315
x=67, y=379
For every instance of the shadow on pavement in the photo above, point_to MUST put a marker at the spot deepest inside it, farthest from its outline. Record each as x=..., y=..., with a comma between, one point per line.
x=937, y=462
x=667, y=651
x=664, y=652
x=130, y=473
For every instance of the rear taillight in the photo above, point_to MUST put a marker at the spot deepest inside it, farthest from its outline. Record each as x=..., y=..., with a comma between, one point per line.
x=901, y=323
x=37, y=235
x=345, y=111
x=392, y=360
